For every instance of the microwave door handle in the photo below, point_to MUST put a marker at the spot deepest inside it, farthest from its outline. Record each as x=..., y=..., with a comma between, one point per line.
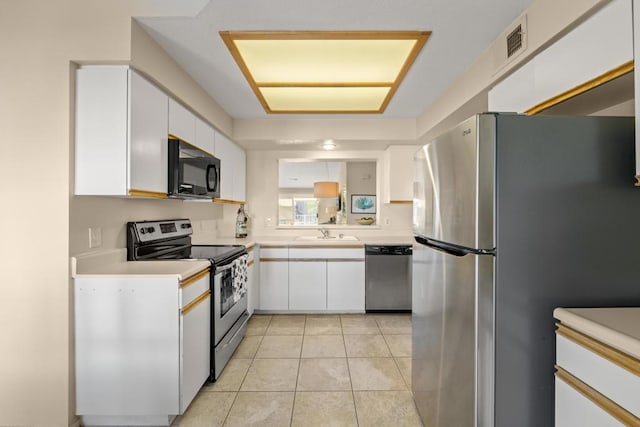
x=215, y=182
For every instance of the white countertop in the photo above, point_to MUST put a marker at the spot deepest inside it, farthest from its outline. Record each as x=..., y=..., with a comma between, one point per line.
x=618, y=327
x=291, y=241
x=114, y=264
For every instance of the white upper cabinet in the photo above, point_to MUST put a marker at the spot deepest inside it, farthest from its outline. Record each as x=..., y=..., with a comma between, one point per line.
x=232, y=168
x=398, y=170
x=182, y=122
x=239, y=173
x=598, y=46
x=224, y=151
x=122, y=126
x=148, y=136
x=121, y=134
x=190, y=128
x=205, y=136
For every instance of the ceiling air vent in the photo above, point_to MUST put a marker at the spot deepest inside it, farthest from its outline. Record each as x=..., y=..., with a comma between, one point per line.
x=514, y=41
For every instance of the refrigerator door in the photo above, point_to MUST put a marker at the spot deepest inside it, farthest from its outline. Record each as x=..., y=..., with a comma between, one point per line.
x=453, y=276
x=444, y=338
x=454, y=185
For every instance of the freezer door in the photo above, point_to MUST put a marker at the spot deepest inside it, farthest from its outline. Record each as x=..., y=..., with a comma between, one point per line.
x=454, y=185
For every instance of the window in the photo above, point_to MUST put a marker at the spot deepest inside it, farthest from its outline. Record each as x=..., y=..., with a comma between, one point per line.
x=298, y=209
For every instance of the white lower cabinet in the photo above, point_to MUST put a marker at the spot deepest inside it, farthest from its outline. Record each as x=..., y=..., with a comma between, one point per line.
x=307, y=285
x=274, y=285
x=595, y=384
x=195, y=349
x=311, y=278
x=345, y=285
x=573, y=409
x=142, y=347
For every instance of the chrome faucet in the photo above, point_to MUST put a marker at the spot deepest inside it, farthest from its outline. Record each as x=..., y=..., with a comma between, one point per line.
x=325, y=232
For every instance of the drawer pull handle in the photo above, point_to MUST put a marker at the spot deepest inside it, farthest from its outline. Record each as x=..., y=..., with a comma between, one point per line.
x=187, y=308
x=192, y=279
x=610, y=407
x=611, y=354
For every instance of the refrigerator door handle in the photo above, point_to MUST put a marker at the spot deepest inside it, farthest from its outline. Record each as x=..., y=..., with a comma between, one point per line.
x=451, y=248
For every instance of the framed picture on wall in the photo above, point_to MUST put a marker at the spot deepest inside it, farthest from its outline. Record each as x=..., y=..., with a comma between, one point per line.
x=363, y=204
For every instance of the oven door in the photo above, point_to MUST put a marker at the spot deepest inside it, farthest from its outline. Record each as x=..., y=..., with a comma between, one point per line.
x=193, y=173
x=229, y=302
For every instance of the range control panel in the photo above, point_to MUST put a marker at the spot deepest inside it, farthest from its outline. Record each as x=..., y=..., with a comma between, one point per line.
x=148, y=231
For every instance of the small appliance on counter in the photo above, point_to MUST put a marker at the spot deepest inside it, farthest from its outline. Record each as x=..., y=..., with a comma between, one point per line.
x=171, y=240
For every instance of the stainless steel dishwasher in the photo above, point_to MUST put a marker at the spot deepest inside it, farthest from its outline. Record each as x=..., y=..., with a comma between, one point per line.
x=388, y=277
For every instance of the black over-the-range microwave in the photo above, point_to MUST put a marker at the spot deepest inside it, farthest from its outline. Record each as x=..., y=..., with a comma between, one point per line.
x=193, y=173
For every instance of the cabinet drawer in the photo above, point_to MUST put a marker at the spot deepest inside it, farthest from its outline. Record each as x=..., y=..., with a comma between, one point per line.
x=610, y=379
x=326, y=253
x=573, y=409
x=192, y=287
x=274, y=252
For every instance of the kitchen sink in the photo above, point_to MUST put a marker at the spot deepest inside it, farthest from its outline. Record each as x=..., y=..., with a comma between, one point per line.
x=330, y=238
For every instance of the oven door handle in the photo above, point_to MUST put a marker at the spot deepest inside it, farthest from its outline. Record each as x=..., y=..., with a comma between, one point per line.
x=230, y=340
x=223, y=268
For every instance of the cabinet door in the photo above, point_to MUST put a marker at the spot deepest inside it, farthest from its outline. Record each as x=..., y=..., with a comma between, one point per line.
x=148, y=120
x=398, y=166
x=307, y=285
x=182, y=123
x=195, y=348
x=101, y=131
x=253, y=293
x=205, y=136
x=140, y=372
x=573, y=409
x=345, y=285
x=239, y=177
x=224, y=151
x=274, y=285
x=598, y=45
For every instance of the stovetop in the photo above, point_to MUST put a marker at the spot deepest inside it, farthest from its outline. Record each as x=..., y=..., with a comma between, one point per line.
x=216, y=253
x=171, y=239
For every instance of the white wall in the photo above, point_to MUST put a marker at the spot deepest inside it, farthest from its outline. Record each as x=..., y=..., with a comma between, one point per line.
x=39, y=41
x=361, y=179
x=547, y=20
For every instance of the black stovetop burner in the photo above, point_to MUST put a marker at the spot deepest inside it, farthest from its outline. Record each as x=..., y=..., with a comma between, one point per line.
x=171, y=240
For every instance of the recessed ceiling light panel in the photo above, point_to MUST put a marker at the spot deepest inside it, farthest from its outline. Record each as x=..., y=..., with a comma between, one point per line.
x=325, y=72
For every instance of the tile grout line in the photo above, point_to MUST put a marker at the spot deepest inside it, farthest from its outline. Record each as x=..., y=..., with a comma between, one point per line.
x=244, y=377
x=353, y=394
x=295, y=390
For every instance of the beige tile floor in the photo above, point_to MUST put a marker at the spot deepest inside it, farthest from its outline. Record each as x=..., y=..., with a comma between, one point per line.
x=314, y=370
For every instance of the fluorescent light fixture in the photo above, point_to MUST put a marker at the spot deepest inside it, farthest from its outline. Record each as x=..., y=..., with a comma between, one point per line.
x=325, y=71
x=328, y=145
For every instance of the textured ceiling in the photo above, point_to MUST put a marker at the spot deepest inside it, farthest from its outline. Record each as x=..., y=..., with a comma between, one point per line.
x=462, y=29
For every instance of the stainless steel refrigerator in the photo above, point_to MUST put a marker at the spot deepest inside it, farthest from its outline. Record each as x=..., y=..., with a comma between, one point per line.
x=514, y=216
